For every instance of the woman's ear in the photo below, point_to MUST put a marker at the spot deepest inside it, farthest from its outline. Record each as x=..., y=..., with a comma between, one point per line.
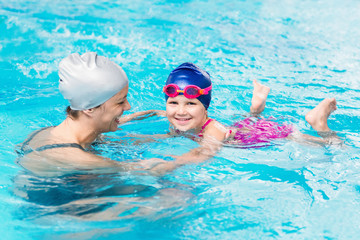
x=88, y=112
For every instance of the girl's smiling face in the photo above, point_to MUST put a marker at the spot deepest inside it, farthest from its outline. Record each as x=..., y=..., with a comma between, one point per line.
x=185, y=114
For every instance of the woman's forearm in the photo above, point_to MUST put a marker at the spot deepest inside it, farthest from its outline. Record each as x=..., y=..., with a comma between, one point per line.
x=141, y=115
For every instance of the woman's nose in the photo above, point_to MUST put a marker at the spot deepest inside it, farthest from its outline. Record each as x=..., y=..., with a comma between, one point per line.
x=127, y=106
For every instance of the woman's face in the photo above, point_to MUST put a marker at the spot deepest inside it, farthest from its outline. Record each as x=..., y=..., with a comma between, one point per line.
x=108, y=114
x=185, y=114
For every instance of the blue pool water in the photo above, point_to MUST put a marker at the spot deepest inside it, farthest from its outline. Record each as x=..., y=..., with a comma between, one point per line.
x=304, y=50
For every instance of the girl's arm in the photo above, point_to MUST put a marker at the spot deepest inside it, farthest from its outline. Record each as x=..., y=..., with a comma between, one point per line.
x=211, y=143
x=214, y=135
x=141, y=115
x=196, y=155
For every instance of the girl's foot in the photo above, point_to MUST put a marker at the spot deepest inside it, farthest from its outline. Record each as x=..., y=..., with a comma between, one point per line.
x=318, y=116
x=259, y=97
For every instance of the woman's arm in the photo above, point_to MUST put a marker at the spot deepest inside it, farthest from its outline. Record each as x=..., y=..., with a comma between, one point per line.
x=141, y=115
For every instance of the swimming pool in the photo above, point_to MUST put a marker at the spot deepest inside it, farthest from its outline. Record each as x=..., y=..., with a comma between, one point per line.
x=304, y=50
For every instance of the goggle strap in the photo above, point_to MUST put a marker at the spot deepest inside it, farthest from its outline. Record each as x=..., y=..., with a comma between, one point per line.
x=205, y=90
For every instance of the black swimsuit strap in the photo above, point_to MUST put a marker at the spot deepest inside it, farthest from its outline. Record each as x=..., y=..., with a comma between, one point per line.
x=45, y=147
x=52, y=146
x=31, y=137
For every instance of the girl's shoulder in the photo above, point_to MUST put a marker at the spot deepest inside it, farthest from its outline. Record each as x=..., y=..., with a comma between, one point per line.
x=216, y=130
x=214, y=125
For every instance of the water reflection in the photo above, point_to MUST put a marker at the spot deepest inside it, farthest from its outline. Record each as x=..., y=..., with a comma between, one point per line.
x=94, y=196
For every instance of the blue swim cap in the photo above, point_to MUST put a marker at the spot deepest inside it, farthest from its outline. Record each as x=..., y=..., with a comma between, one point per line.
x=190, y=74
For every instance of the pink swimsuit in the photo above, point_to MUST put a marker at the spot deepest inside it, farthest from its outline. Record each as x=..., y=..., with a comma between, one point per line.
x=255, y=130
x=204, y=126
x=260, y=130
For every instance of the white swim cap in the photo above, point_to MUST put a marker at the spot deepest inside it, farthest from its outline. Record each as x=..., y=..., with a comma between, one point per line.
x=89, y=80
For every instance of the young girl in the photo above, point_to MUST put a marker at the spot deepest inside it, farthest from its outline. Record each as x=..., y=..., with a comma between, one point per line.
x=188, y=96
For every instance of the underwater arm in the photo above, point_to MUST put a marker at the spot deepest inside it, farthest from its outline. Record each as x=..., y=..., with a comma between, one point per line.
x=210, y=144
x=197, y=155
x=209, y=147
x=200, y=154
x=53, y=163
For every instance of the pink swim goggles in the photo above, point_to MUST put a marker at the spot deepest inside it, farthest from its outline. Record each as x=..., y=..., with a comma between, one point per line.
x=190, y=91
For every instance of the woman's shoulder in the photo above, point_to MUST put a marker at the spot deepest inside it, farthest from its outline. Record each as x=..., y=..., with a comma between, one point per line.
x=36, y=137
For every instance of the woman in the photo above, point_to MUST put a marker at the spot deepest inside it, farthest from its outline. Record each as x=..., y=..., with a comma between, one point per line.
x=96, y=89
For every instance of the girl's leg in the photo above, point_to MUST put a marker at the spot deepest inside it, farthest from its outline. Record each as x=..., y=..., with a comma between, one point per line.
x=258, y=102
x=259, y=97
x=317, y=118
